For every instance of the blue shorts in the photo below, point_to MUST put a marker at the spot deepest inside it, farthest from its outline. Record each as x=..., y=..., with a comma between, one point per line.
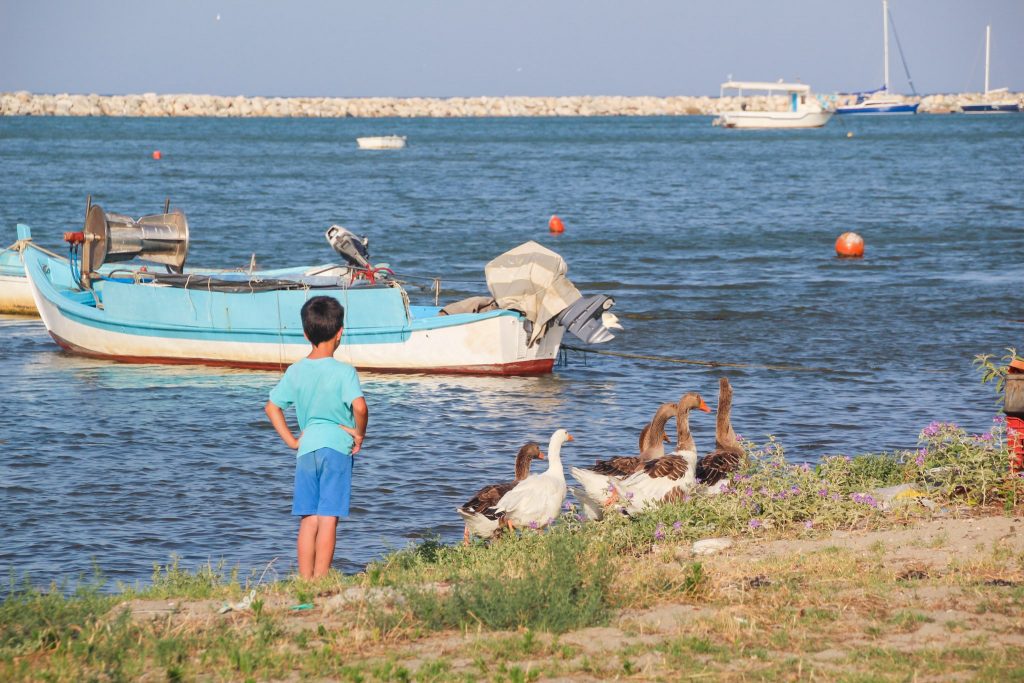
x=323, y=483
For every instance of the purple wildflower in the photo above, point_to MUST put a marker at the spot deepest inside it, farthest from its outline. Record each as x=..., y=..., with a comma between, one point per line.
x=567, y=506
x=999, y=419
x=533, y=525
x=659, y=532
x=805, y=467
x=749, y=492
x=932, y=429
x=781, y=495
x=984, y=437
x=823, y=493
x=794, y=490
x=809, y=524
x=676, y=526
x=580, y=518
x=919, y=460
x=754, y=524
x=864, y=499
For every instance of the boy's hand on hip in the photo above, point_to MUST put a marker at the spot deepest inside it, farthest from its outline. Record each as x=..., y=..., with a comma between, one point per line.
x=357, y=438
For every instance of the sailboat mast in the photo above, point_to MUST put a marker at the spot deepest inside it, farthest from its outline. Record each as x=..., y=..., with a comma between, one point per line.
x=885, y=40
x=988, y=42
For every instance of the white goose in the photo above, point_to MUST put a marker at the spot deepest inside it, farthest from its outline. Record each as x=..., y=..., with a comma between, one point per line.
x=596, y=487
x=487, y=522
x=665, y=478
x=537, y=500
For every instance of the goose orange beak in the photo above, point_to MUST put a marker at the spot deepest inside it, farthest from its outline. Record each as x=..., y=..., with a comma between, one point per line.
x=540, y=455
x=568, y=437
x=704, y=406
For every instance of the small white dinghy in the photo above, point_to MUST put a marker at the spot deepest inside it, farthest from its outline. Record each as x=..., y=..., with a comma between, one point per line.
x=381, y=142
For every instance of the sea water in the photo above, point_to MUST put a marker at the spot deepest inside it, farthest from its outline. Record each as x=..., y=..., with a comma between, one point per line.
x=716, y=244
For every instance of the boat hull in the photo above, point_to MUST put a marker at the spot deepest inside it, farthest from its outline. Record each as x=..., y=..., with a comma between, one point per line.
x=15, y=294
x=991, y=108
x=771, y=119
x=888, y=109
x=147, y=324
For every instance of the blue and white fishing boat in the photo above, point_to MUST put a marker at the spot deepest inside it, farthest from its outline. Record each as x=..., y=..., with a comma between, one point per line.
x=881, y=101
x=15, y=294
x=253, y=321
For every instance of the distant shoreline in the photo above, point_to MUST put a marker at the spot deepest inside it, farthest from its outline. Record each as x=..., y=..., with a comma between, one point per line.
x=217, y=106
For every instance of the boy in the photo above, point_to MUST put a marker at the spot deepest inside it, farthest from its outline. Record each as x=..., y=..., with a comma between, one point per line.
x=332, y=418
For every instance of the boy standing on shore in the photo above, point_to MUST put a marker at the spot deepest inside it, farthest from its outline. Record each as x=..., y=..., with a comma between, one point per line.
x=332, y=417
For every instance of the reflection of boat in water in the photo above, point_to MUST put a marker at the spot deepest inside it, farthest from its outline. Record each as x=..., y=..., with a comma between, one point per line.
x=989, y=104
x=881, y=101
x=240, y=320
x=803, y=110
x=381, y=142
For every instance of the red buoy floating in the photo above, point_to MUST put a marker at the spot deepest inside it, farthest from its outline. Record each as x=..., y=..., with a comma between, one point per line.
x=157, y=154
x=850, y=245
x=556, y=225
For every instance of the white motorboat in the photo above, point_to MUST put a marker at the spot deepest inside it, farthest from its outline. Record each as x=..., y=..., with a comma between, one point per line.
x=803, y=109
x=381, y=142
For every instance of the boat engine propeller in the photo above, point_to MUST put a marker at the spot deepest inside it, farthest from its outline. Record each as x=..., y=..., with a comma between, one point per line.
x=112, y=238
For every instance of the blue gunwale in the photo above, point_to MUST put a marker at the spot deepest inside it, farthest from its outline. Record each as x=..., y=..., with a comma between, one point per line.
x=73, y=305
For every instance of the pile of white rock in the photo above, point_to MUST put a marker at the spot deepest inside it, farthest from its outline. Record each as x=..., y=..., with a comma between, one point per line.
x=150, y=104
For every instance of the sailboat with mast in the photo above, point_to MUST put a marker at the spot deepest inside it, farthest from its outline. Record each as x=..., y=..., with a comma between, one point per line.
x=881, y=101
x=988, y=105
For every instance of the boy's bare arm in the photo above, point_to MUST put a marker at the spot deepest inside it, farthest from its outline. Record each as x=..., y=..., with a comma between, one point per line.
x=361, y=414
x=276, y=416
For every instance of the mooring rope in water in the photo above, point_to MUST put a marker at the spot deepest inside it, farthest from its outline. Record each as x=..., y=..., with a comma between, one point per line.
x=704, y=363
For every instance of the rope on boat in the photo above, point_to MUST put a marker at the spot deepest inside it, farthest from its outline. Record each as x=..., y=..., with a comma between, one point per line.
x=20, y=245
x=704, y=363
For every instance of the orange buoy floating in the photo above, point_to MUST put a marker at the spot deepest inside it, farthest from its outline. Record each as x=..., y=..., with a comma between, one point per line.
x=556, y=225
x=850, y=245
x=157, y=154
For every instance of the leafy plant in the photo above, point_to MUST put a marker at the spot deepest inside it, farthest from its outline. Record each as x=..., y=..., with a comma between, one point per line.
x=991, y=371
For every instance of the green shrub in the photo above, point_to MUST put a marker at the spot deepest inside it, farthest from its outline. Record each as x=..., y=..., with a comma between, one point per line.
x=558, y=583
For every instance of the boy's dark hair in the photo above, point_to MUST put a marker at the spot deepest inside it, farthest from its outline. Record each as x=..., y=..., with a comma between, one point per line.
x=322, y=317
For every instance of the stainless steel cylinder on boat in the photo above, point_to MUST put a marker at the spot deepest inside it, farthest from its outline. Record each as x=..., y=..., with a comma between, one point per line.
x=111, y=238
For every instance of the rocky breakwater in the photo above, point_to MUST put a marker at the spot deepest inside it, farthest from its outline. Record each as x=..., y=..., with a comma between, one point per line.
x=154, y=105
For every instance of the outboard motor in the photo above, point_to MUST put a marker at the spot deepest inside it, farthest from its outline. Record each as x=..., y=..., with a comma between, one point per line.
x=111, y=238
x=352, y=248
x=590, y=319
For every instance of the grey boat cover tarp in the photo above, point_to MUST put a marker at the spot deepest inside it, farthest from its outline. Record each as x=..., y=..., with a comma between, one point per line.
x=532, y=279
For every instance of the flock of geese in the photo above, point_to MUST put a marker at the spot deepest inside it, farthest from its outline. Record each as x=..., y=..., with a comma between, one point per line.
x=627, y=483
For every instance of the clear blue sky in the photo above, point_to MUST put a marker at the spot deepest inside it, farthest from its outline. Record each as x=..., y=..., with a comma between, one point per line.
x=445, y=48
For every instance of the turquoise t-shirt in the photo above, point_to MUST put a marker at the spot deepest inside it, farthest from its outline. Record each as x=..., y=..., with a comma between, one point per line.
x=322, y=392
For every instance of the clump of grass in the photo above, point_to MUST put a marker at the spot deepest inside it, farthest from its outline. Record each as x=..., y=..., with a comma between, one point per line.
x=556, y=582
x=32, y=619
x=209, y=580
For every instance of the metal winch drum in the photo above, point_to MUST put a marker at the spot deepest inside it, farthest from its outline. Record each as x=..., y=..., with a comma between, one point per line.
x=112, y=238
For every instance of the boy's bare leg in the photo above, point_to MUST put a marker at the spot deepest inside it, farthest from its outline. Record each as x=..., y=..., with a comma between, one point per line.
x=308, y=528
x=326, y=534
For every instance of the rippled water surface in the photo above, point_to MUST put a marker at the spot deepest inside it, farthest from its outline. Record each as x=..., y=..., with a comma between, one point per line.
x=716, y=244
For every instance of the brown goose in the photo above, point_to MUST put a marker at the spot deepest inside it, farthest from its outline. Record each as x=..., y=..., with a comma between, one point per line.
x=728, y=454
x=644, y=443
x=487, y=497
x=670, y=476
x=594, y=479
